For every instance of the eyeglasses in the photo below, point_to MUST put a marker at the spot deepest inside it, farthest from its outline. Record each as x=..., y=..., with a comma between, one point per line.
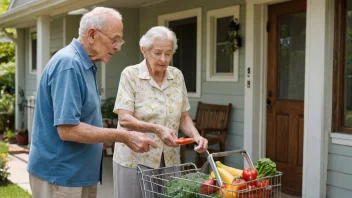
x=119, y=42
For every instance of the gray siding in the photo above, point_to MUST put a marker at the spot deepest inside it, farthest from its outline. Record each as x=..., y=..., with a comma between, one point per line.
x=211, y=92
x=56, y=35
x=339, y=171
x=30, y=79
x=72, y=25
x=129, y=55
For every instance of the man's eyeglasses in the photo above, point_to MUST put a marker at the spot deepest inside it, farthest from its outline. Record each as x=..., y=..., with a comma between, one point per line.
x=119, y=42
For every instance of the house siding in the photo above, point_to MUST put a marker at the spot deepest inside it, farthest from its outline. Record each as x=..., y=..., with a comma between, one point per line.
x=211, y=92
x=129, y=55
x=30, y=79
x=56, y=43
x=339, y=173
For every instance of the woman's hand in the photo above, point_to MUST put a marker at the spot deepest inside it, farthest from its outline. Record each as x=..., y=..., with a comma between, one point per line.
x=138, y=142
x=167, y=136
x=202, y=144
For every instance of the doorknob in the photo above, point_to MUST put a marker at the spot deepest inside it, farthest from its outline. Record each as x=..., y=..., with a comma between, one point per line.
x=268, y=105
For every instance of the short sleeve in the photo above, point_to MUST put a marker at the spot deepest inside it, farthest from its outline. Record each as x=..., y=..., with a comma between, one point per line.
x=126, y=93
x=66, y=94
x=185, y=102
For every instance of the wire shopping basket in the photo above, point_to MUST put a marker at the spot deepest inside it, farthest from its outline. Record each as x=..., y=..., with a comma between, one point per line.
x=186, y=181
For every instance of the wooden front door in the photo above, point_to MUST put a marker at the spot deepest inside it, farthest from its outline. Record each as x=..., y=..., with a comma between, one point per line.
x=285, y=91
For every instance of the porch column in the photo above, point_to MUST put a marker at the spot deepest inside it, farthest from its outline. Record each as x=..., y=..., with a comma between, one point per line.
x=43, y=44
x=19, y=77
x=318, y=95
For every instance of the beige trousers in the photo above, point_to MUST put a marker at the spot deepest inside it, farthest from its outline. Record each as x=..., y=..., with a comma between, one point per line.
x=43, y=189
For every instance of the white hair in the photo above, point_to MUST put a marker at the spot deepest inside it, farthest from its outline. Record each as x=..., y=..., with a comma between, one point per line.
x=159, y=32
x=97, y=18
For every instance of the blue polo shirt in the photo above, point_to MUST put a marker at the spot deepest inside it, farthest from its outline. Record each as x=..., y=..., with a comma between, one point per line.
x=67, y=95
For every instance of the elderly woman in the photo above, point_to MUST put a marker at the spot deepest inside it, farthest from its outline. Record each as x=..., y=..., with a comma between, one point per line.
x=152, y=98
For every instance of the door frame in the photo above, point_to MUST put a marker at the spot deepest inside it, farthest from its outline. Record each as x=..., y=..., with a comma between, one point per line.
x=316, y=106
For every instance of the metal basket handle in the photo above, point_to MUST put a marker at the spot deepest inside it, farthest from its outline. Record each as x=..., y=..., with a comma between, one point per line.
x=210, y=158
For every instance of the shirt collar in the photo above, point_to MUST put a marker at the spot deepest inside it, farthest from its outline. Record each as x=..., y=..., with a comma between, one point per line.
x=144, y=73
x=87, y=63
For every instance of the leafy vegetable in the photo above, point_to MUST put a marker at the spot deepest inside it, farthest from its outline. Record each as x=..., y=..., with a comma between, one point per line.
x=188, y=186
x=265, y=167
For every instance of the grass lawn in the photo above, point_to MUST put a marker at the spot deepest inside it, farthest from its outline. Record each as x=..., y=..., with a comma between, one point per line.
x=4, y=148
x=13, y=191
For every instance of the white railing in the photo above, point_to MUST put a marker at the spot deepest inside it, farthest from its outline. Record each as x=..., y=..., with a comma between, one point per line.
x=30, y=115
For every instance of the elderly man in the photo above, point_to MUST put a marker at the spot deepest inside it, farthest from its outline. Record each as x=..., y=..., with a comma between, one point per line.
x=66, y=151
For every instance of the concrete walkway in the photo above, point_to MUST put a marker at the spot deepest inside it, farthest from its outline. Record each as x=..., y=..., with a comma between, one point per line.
x=19, y=174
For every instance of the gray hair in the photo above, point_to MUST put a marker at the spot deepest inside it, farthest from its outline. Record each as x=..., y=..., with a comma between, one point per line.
x=96, y=18
x=159, y=32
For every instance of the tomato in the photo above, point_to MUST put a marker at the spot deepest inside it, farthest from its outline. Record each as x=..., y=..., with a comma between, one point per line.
x=239, y=185
x=208, y=187
x=182, y=140
x=249, y=174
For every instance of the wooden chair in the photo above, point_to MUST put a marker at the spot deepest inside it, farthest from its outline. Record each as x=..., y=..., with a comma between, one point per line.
x=212, y=122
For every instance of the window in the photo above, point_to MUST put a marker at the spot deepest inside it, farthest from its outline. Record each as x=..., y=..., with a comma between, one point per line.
x=342, y=98
x=187, y=27
x=32, y=51
x=222, y=65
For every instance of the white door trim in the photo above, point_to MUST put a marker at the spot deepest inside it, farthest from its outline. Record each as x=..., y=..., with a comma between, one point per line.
x=317, y=106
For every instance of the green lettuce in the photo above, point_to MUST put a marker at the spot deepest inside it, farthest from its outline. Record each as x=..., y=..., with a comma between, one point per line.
x=265, y=167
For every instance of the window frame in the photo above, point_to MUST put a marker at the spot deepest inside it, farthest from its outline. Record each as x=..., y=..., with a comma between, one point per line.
x=31, y=30
x=339, y=68
x=197, y=12
x=211, y=74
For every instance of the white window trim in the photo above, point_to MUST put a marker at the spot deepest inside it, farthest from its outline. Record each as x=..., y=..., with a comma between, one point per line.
x=211, y=42
x=30, y=50
x=197, y=12
x=341, y=139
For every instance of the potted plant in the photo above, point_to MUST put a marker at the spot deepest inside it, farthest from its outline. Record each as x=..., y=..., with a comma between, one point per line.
x=22, y=136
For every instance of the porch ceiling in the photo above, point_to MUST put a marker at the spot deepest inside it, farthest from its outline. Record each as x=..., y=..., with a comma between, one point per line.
x=26, y=15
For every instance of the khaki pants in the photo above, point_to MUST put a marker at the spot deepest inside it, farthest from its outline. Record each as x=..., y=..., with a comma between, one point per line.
x=44, y=189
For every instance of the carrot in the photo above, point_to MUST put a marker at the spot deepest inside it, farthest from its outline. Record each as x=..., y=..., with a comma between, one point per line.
x=182, y=140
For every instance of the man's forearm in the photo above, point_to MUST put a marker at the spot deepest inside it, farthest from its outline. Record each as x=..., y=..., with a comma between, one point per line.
x=88, y=134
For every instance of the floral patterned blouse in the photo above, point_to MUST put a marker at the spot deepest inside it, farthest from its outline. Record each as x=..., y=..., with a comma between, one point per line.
x=149, y=102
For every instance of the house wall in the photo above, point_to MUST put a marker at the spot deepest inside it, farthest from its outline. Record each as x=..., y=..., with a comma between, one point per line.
x=211, y=92
x=129, y=55
x=56, y=43
x=339, y=171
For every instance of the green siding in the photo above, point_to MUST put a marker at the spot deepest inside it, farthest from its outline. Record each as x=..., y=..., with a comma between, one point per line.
x=211, y=92
x=339, y=178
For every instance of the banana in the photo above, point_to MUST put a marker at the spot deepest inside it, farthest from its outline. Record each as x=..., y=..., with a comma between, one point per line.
x=225, y=175
x=234, y=171
x=212, y=175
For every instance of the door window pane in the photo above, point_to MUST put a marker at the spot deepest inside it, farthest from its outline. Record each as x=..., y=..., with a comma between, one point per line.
x=348, y=67
x=185, y=57
x=291, y=56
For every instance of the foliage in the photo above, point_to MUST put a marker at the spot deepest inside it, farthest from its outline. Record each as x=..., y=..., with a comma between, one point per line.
x=12, y=190
x=107, y=108
x=3, y=5
x=22, y=131
x=4, y=169
x=233, y=40
x=7, y=103
x=7, y=77
x=9, y=134
x=4, y=147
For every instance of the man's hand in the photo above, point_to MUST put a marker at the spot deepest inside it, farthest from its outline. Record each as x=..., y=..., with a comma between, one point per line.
x=167, y=136
x=202, y=144
x=138, y=142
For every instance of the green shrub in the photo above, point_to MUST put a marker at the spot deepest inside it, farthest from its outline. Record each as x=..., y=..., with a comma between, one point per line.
x=4, y=147
x=4, y=169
